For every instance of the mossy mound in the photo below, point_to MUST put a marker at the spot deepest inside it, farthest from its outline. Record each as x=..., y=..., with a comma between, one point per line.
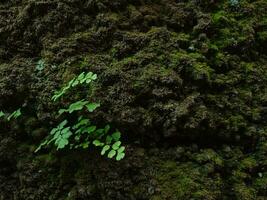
x=184, y=81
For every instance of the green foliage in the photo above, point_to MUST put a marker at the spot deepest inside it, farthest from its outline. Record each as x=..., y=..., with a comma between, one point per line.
x=59, y=136
x=2, y=114
x=79, y=105
x=88, y=133
x=13, y=115
x=83, y=133
x=113, y=146
x=81, y=79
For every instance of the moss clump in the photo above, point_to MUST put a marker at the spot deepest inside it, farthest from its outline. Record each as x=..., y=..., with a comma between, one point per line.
x=244, y=192
x=185, y=181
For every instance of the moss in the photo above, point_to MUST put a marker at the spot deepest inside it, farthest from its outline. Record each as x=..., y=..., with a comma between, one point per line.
x=184, y=181
x=46, y=159
x=244, y=192
x=248, y=163
x=201, y=71
x=260, y=183
x=189, y=73
x=209, y=155
x=39, y=134
x=219, y=19
x=194, y=64
x=236, y=122
x=175, y=183
x=262, y=37
x=69, y=167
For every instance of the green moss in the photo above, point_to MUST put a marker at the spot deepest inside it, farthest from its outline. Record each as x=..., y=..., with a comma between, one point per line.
x=201, y=71
x=184, y=181
x=260, y=183
x=46, y=159
x=175, y=182
x=169, y=72
x=194, y=64
x=244, y=192
x=248, y=163
x=236, y=122
x=262, y=36
x=220, y=19
x=113, y=16
x=209, y=155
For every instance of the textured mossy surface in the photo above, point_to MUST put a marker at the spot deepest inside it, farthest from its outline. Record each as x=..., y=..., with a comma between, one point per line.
x=184, y=81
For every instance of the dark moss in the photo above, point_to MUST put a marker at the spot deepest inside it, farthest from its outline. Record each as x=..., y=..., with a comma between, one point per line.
x=186, y=74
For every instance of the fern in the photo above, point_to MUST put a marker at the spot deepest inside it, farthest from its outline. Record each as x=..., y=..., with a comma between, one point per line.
x=79, y=105
x=81, y=79
x=59, y=135
x=83, y=133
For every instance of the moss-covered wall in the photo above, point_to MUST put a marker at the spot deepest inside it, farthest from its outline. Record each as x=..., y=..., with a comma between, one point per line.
x=184, y=81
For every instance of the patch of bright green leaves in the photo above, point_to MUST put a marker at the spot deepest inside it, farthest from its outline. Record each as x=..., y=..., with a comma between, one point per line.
x=112, y=146
x=13, y=115
x=82, y=133
x=59, y=136
x=81, y=79
x=79, y=105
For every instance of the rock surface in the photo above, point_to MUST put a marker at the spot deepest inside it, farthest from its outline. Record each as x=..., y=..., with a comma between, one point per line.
x=184, y=81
